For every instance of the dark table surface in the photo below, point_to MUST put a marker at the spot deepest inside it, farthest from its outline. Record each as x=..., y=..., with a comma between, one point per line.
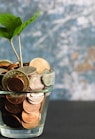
x=69, y=120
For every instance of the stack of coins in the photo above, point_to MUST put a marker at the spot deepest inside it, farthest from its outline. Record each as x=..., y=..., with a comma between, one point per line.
x=22, y=112
x=11, y=113
x=30, y=120
x=31, y=114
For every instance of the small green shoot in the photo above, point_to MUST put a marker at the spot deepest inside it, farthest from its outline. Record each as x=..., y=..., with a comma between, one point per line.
x=12, y=26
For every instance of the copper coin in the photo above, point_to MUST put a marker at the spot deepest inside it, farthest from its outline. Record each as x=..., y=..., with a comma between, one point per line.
x=5, y=63
x=15, y=74
x=2, y=70
x=15, y=99
x=31, y=118
x=11, y=120
x=29, y=108
x=2, y=101
x=13, y=108
x=15, y=84
x=30, y=125
x=40, y=64
x=12, y=66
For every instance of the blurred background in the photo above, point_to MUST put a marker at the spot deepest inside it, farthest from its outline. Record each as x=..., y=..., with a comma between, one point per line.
x=64, y=34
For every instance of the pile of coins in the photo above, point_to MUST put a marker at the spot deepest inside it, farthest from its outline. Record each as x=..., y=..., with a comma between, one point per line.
x=23, y=105
x=23, y=111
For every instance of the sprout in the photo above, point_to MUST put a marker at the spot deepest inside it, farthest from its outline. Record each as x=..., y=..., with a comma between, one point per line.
x=12, y=26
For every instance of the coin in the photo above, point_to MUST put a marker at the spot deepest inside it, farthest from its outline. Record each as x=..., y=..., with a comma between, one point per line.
x=31, y=118
x=30, y=125
x=12, y=66
x=28, y=107
x=2, y=70
x=15, y=100
x=28, y=70
x=15, y=84
x=15, y=74
x=13, y=108
x=4, y=63
x=2, y=101
x=35, y=82
x=48, y=78
x=40, y=64
x=11, y=120
x=35, y=98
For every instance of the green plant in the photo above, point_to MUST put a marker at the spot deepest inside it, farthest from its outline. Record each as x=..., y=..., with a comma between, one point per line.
x=12, y=26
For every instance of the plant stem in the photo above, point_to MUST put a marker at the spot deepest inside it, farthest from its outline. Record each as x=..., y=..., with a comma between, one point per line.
x=20, y=51
x=14, y=50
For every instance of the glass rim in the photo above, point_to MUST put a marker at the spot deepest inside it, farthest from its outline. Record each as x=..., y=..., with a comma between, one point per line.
x=46, y=90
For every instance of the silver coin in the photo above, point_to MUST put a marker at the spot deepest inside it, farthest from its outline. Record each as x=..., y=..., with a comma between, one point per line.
x=35, y=98
x=48, y=78
x=28, y=70
x=35, y=82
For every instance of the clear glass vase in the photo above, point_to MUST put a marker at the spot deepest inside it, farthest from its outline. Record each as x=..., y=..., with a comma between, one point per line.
x=23, y=115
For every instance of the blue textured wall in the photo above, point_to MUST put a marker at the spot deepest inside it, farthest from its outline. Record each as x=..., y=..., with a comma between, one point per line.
x=64, y=34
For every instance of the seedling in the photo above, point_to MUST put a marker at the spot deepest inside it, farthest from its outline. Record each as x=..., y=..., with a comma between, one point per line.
x=12, y=26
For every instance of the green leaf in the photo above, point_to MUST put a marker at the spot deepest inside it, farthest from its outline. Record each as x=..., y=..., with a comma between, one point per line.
x=7, y=20
x=4, y=33
x=17, y=22
x=11, y=22
x=20, y=28
x=13, y=25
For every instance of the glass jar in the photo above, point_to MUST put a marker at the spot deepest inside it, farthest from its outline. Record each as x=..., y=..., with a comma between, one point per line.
x=23, y=115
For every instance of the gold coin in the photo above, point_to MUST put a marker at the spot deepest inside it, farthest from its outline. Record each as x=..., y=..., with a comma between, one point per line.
x=40, y=64
x=15, y=74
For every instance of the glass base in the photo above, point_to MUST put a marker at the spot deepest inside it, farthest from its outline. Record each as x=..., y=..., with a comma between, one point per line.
x=14, y=128
x=14, y=133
